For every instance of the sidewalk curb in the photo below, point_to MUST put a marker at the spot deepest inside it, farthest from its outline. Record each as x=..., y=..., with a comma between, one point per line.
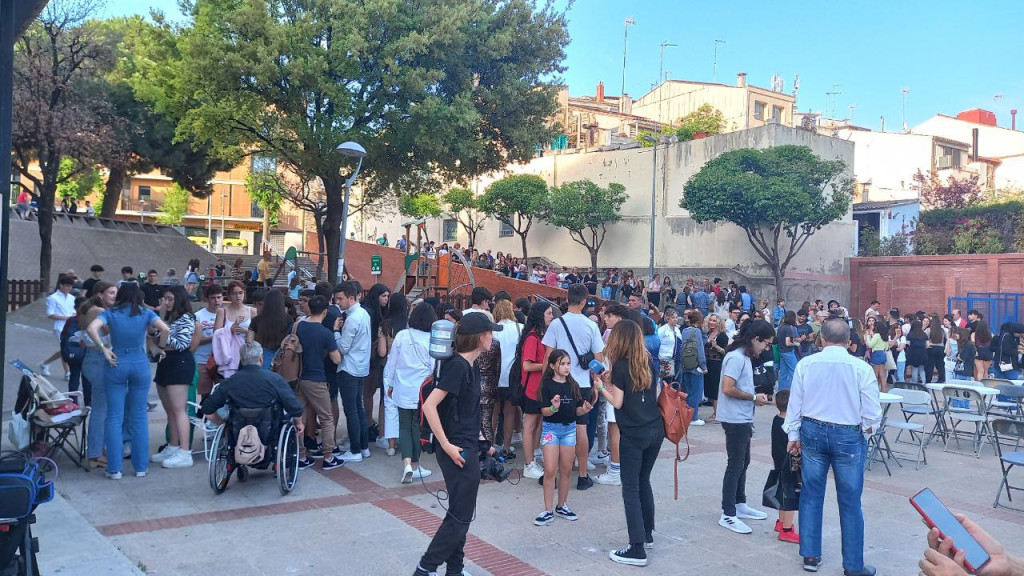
x=68, y=544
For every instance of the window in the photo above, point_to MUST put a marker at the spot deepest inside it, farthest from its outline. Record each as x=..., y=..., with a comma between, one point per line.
x=143, y=193
x=950, y=157
x=198, y=232
x=232, y=234
x=776, y=114
x=759, y=110
x=505, y=230
x=451, y=230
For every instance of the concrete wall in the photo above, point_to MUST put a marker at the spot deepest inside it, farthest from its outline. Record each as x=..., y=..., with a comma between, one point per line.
x=682, y=247
x=888, y=161
x=993, y=141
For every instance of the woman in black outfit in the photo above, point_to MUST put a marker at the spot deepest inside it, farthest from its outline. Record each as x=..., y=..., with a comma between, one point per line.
x=935, y=361
x=634, y=395
x=714, y=351
x=456, y=437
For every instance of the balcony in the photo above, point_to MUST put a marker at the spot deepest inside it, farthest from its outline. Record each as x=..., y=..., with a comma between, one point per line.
x=135, y=205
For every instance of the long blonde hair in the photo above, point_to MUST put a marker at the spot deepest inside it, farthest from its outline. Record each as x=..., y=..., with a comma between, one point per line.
x=503, y=311
x=626, y=343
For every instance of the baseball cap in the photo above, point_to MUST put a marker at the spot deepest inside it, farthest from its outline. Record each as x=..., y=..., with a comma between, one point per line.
x=477, y=323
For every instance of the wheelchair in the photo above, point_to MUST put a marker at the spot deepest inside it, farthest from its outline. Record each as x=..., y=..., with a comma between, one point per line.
x=278, y=435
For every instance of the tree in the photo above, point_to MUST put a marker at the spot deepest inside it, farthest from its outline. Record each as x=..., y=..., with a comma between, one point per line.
x=585, y=209
x=420, y=206
x=464, y=207
x=435, y=90
x=780, y=196
x=174, y=207
x=517, y=201
x=707, y=118
x=88, y=181
x=952, y=192
x=59, y=111
x=266, y=189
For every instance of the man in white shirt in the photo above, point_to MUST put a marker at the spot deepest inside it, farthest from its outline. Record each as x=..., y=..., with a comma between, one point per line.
x=59, y=307
x=873, y=310
x=832, y=405
x=480, y=301
x=581, y=338
x=353, y=342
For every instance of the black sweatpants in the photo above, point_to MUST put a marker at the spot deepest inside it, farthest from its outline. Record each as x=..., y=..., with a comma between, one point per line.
x=737, y=449
x=449, y=541
x=934, y=362
x=638, y=451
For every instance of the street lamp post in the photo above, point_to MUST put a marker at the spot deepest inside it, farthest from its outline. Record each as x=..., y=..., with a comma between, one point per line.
x=654, y=194
x=625, y=39
x=352, y=150
x=661, y=76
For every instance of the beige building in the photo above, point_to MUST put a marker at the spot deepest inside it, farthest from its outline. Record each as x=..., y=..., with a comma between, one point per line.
x=599, y=120
x=743, y=105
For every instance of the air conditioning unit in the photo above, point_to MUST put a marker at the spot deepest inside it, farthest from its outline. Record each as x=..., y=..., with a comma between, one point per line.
x=945, y=162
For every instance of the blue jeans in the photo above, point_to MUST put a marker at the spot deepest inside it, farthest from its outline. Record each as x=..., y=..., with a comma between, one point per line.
x=92, y=375
x=127, y=390
x=844, y=450
x=787, y=365
x=901, y=371
x=692, y=384
x=351, y=388
x=268, y=357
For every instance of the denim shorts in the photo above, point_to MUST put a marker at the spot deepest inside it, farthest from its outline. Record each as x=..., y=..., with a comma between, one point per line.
x=878, y=358
x=553, y=433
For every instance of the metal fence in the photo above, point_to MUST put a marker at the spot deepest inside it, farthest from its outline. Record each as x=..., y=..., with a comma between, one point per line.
x=22, y=293
x=998, y=307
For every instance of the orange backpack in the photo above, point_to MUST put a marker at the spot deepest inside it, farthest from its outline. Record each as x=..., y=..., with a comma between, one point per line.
x=676, y=414
x=287, y=361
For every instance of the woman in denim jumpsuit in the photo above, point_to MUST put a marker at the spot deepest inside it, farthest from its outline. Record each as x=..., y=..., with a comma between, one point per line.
x=127, y=375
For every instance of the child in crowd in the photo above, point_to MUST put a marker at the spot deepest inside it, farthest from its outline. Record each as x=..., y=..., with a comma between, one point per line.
x=788, y=495
x=563, y=403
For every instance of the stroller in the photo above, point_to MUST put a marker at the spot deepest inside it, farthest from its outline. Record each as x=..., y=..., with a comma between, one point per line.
x=25, y=482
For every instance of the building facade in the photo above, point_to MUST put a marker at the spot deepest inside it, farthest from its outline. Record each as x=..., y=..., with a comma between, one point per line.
x=743, y=105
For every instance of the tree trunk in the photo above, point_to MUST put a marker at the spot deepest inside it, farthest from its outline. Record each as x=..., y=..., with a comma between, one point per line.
x=780, y=287
x=523, y=238
x=319, y=246
x=45, y=218
x=112, y=192
x=334, y=190
x=593, y=258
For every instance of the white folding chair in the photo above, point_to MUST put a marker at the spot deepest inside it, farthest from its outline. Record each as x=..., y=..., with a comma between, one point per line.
x=208, y=429
x=976, y=413
x=933, y=409
x=1010, y=430
x=911, y=398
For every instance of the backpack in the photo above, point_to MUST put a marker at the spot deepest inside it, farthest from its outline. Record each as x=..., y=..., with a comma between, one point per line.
x=71, y=348
x=676, y=415
x=690, y=356
x=287, y=362
x=446, y=411
x=516, y=389
x=249, y=449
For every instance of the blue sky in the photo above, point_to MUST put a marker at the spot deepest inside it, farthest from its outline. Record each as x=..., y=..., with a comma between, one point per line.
x=951, y=56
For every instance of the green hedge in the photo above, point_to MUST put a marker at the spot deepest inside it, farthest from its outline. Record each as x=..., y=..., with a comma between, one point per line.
x=957, y=231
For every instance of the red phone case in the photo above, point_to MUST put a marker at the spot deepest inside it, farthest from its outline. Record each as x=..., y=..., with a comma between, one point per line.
x=931, y=524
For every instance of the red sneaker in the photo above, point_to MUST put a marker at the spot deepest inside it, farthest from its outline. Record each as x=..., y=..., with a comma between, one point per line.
x=778, y=525
x=789, y=535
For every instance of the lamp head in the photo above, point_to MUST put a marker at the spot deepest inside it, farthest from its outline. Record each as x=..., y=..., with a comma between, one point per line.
x=351, y=149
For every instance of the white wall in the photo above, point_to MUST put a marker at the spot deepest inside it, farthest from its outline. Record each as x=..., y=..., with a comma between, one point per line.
x=993, y=141
x=889, y=160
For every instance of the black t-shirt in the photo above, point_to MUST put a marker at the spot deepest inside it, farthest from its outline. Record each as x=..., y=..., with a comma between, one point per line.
x=639, y=409
x=460, y=416
x=591, y=281
x=572, y=279
x=151, y=294
x=330, y=368
x=566, y=409
x=804, y=329
x=87, y=286
x=317, y=342
x=780, y=440
x=783, y=331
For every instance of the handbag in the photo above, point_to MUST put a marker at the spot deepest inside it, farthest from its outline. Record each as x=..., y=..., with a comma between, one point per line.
x=676, y=415
x=583, y=359
x=23, y=486
x=1003, y=366
x=18, y=430
x=890, y=362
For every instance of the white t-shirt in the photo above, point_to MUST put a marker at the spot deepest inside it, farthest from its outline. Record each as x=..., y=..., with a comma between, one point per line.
x=60, y=304
x=206, y=320
x=584, y=334
x=507, y=339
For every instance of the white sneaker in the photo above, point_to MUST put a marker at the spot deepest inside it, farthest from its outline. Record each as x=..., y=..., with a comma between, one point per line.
x=697, y=422
x=112, y=475
x=735, y=524
x=533, y=470
x=590, y=466
x=366, y=453
x=517, y=438
x=744, y=511
x=140, y=474
x=44, y=369
x=126, y=450
x=538, y=454
x=609, y=479
x=180, y=459
x=407, y=475
x=421, y=472
x=599, y=458
x=381, y=442
x=164, y=454
x=391, y=451
x=351, y=457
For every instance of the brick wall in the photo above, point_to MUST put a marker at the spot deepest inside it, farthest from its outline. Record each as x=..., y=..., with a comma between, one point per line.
x=913, y=283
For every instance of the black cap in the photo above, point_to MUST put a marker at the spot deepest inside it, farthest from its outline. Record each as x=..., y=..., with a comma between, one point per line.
x=477, y=322
x=895, y=312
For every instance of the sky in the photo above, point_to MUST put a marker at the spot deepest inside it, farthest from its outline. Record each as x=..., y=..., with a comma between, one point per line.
x=949, y=55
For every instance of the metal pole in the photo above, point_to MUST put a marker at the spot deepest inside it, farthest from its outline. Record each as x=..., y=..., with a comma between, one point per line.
x=625, y=39
x=344, y=220
x=222, y=195
x=6, y=109
x=714, y=70
x=654, y=192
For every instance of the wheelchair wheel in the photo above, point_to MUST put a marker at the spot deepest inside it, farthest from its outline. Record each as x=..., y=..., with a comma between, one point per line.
x=287, y=464
x=220, y=464
x=242, y=473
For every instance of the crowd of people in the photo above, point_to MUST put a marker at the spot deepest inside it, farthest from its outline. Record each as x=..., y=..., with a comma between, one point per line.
x=521, y=376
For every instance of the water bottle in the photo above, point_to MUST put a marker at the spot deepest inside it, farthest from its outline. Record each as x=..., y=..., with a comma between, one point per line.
x=597, y=367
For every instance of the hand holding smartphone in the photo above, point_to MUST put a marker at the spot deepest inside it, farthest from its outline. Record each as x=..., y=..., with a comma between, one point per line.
x=936, y=515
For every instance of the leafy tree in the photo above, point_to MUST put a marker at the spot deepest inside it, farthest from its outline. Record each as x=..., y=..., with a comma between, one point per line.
x=897, y=244
x=174, y=207
x=88, y=181
x=707, y=118
x=59, y=111
x=266, y=189
x=464, y=207
x=779, y=196
x=585, y=209
x=870, y=244
x=952, y=192
x=435, y=90
x=517, y=201
x=976, y=236
x=420, y=206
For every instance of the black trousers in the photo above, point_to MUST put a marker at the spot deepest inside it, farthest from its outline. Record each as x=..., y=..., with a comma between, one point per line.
x=737, y=449
x=462, y=485
x=638, y=451
x=934, y=361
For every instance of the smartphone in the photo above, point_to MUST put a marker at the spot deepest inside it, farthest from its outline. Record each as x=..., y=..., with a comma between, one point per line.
x=936, y=515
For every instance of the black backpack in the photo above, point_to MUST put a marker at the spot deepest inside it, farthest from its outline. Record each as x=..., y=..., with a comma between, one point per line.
x=516, y=387
x=446, y=411
x=71, y=348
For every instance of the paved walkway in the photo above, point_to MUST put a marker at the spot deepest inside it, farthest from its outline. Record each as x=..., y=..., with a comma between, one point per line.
x=359, y=520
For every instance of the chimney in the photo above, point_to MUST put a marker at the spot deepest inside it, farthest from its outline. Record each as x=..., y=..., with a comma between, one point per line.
x=1013, y=119
x=600, y=92
x=974, y=144
x=741, y=80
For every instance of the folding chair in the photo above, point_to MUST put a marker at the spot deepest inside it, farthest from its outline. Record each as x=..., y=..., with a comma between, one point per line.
x=199, y=423
x=1010, y=430
x=932, y=409
x=911, y=399
x=52, y=434
x=1007, y=403
x=976, y=413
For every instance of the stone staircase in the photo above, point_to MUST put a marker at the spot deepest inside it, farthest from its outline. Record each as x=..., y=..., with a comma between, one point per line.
x=307, y=267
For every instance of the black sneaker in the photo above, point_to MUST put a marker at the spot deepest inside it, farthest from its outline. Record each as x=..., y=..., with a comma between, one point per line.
x=564, y=512
x=865, y=571
x=333, y=463
x=631, y=555
x=508, y=455
x=421, y=572
x=811, y=564
x=649, y=541
x=316, y=453
x=303, y=464
x=337, y=451
x=584, y=482
x=544, y=518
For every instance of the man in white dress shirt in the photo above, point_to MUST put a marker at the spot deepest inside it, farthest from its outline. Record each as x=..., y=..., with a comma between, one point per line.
x=832, y=405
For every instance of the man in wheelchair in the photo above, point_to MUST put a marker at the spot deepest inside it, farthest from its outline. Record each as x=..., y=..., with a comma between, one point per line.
x=261, y=398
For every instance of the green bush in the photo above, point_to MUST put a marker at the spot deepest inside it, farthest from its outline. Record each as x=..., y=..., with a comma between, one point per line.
x=996, y=228
x=976, y=237
x=869, y=244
